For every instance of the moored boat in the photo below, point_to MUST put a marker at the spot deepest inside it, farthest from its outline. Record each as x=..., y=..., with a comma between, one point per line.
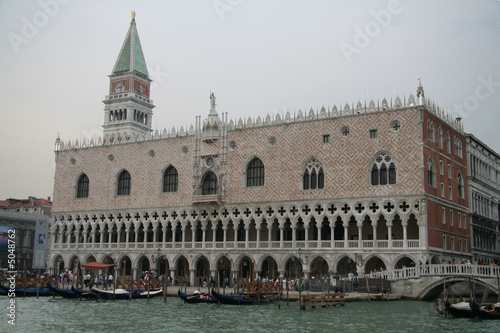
x=459, y=310
x=241, y=299
x=111, y=294
x=125, y=294
x=82, y=293
x=66, y=293
x=144, y=294
x=487, y=311
x=31, y=291
x=196, y=297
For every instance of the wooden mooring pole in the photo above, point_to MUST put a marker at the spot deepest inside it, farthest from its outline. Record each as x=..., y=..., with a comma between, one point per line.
x=498, y=285
x=367, y=288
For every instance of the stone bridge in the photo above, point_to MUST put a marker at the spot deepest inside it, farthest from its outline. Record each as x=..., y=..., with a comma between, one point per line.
x=427, y=282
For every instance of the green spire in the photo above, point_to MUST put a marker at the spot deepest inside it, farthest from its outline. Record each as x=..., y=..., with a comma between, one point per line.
x=131, y=57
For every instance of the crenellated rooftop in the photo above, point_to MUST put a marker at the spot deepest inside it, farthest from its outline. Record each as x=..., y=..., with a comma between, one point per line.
x=273, y=120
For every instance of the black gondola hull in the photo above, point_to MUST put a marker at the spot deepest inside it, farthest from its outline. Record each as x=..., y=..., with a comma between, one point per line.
x=240, y=299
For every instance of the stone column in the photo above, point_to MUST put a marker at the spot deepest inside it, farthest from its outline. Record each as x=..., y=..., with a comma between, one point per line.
x=203, y=237
x=405, y=236
x=247, y=234
x=294, y=235
x=389, y=234
x=269, y=235
x=332, y=237
x=258, y=228
x=374, y=228
x=135, y=272
x=127, y=236
x=155, y=233
x=306, y=231
x=110, y=238
x=320, y=229
x=224, y=229
x=191, y=276
x=172, y=275
x=183, y=229
x=164, y=240
x=214, y=233
x=281, y=234
x=346, y=234
x=360, y=234
x=85, y=229
x=193, y=236
x=93, y=236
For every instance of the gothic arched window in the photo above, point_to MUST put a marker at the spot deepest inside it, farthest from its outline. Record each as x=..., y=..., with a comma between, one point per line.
x=383, y=170
x=170, y=180
x=458, y=147
x=430, y=131
x=448, y=142
x=82, y=190
x=440, y=137
x=255, y=173
x=313, y=176
x=460, y=184
x=209, y=184
x=123, y=183
x=431, y=172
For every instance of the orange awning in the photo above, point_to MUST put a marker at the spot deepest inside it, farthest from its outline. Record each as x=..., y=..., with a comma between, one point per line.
x=96, y=265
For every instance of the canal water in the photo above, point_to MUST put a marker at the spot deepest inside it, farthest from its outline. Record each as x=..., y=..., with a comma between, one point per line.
x=48, y=314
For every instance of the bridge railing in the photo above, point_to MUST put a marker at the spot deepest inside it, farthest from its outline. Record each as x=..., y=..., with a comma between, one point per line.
x=438, y=270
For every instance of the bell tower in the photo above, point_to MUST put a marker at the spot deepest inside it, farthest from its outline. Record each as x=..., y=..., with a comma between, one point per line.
x=128, y=109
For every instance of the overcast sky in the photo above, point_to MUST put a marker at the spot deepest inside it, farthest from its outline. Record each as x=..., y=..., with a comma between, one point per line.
x=259, y=57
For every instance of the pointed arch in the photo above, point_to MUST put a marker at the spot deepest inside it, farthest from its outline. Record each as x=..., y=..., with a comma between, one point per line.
x=440, y=137
x=431, y=172
x=374, y=263
x=124, y=183
x=460, y=185
x=430, y=131
x=82, y=186
x=448, y=142
x=458, y=147
x=382, y=169
x=313, y=175
x=170, y=179
x=255, y=172
x=209, y=184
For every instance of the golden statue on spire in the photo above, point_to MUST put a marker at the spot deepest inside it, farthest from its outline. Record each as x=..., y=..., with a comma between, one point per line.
x=133, y=15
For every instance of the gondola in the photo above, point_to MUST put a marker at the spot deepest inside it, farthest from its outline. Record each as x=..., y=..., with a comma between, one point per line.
x=31, y=291
x=196, y=297
x=241, y=299
x=66, y=293
x=488, y=311
x=110, y=294
x=124, y=294
x=459, y=310
x=144, y=294
x=82, y=293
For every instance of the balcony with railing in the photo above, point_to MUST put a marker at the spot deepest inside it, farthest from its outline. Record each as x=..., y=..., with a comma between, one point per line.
x=356, y=245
